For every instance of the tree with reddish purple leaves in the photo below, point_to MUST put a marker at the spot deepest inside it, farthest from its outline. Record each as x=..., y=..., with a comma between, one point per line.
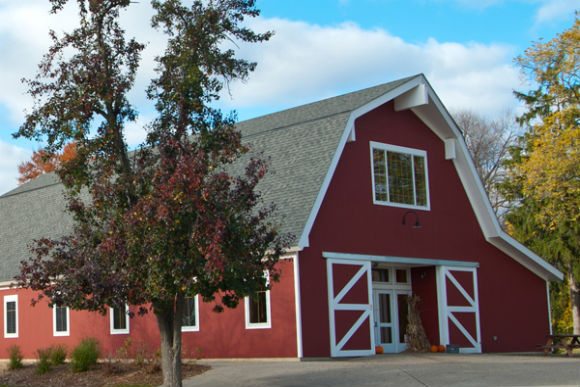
x=178, y=217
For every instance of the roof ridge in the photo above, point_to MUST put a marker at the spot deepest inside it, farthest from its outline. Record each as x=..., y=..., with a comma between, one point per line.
x=256, y=134
x=326, y=100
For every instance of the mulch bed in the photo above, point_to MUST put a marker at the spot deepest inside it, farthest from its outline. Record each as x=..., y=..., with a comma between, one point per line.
x=103, y=374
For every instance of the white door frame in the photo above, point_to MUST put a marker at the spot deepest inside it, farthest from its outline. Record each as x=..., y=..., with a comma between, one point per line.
x=335, y=304
x=446, y=311
x=395, y=346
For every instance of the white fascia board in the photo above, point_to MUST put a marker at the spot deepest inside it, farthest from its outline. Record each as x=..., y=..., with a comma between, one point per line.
x=349, y=134
x=408, y=261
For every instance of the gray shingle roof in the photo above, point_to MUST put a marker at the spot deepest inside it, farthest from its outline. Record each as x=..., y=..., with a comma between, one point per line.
x=299, y=142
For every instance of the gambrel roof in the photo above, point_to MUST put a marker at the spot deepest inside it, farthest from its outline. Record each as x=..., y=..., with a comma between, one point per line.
x=304, y=145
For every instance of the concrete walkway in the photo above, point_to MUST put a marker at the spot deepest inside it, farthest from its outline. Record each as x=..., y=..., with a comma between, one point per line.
x=396, y=370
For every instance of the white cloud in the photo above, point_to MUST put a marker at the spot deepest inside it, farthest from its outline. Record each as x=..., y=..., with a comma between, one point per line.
x=555, y=10
x=24, y=27
x=10, y=157
x=306, y=62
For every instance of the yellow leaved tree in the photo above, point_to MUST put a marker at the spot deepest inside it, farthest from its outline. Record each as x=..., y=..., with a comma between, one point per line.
x=545, y=168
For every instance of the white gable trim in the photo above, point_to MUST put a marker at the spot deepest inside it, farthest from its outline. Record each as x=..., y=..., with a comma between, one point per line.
x=438, y=119
x=415, y=97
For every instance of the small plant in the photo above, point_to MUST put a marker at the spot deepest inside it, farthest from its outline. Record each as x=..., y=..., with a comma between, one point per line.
x=124, y=351
x=84, y=355
x=15, y=358
x=43, y=365
x=57, y=355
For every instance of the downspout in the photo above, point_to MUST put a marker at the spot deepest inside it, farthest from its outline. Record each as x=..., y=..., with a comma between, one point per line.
x=549, y=306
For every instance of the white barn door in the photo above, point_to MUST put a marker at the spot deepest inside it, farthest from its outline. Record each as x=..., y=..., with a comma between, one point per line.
x=458, y=304
x=350, y=308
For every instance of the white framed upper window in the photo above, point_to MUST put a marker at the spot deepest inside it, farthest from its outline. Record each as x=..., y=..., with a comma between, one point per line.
x=190, y=322
x=11, y=316
x=119, y=320
x=257, y=308
x=399, y=176
x=60, y=321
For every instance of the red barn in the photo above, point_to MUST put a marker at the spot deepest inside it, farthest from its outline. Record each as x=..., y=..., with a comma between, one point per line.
x=380, y=191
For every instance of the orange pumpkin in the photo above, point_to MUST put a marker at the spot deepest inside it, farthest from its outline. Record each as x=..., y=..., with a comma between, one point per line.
x=441, y=348
x=379, y=349
x=434, y=348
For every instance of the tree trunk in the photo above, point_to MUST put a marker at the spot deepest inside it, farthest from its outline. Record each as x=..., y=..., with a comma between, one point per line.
x=574, y=301
x=169, y=318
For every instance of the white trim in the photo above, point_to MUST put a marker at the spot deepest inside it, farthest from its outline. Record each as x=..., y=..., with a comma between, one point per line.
x=7, y=299
x=407, y=261
x=442, y=311
x=415, y=97
x=450, y=153
x=7, y=285
x=336, y=348
x=263, y=325
x=446, y=311
x=349, y=127
x=195, y=327
x=404, y=150
x=112, y=322
x=298, y=306
x=54, y=324
x=549, y=306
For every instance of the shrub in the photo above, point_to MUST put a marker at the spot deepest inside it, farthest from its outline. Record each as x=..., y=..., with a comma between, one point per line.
x=15, y=358
x=57, y=355
x=43, y=365
x=84, y=355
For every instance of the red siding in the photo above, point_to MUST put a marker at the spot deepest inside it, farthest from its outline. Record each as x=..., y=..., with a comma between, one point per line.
x=512, y=299
x=221, y=335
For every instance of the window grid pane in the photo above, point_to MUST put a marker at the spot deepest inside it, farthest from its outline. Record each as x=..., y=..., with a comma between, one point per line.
x=380, y=175
x=258, y=313
x=401, y=275
x=403, y=306
x=400, y=178
x=11, y=317
x=380, y=275
x=119, y=318
x=420, y=181
x=385, y=307
x=189, y=318
x=61, y=323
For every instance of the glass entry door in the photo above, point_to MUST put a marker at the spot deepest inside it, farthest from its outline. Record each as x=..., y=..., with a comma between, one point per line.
x=391, y=313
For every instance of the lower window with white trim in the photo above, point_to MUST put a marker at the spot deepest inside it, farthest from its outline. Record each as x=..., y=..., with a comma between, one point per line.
x=190, y=321
x=258, y=309
x=61, y=320
x=11, y=316
x=119, y=320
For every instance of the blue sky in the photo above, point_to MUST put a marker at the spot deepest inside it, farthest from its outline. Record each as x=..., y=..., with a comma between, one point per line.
x=321, y=48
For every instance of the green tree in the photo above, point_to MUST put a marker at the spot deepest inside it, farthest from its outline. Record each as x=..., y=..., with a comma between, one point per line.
x=545, y=167
x=174, y=218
